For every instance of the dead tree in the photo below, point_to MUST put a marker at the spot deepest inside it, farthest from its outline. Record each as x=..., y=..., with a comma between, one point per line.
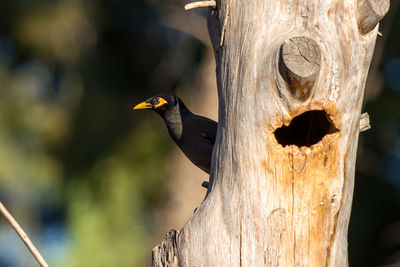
x=291, y=77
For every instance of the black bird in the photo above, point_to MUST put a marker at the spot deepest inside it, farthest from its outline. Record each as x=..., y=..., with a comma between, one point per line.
x=194, y=135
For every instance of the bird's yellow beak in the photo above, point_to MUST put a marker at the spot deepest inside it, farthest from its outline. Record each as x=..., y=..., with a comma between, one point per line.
x=143, y=105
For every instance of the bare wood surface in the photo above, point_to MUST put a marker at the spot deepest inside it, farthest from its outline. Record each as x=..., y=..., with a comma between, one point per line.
x=271, y=203
x=301, y=60
x=370, y=12
x=24, y=237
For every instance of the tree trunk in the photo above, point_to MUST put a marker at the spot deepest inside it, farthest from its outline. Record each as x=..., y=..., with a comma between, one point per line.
x=291, y=78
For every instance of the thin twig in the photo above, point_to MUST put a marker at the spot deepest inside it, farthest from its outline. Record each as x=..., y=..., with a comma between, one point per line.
x=200, y=4
x=23, y=236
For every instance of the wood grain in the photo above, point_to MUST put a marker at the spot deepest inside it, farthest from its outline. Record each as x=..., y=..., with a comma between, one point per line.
x=268, y=204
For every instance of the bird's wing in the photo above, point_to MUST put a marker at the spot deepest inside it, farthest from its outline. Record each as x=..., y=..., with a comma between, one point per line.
x=208, y=128
x=208, y=139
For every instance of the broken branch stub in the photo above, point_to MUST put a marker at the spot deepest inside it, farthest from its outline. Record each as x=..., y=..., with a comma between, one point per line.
x=166, y=253
x=370, y=12
x=364, y=122
x=200, y=4
x=300, y=64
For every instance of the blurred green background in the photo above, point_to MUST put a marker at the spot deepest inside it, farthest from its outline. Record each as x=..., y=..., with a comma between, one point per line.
x=84, y=175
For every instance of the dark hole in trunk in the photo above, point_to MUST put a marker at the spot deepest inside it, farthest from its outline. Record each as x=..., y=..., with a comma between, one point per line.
x=306, y=129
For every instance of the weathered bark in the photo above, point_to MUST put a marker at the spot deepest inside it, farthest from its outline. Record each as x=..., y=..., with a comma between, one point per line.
x=166, y=253
x=291, y=78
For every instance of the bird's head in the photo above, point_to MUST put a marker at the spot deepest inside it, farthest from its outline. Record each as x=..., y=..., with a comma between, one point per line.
x=159, y=103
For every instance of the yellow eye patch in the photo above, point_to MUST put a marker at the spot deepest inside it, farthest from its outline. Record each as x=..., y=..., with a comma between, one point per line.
x=161, y=101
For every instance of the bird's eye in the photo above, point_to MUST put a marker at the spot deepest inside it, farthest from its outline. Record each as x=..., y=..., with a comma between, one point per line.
x=156, y=101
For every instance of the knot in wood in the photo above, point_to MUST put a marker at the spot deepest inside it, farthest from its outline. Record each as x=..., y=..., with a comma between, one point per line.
x=300, y=64
x=370, y=12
